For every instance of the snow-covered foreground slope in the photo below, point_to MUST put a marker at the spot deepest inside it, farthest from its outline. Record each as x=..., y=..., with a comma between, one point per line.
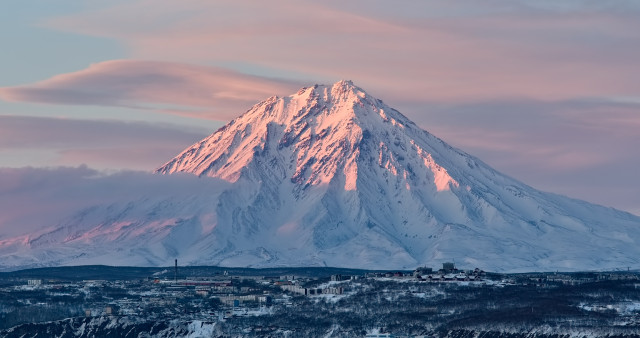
x=332, y=176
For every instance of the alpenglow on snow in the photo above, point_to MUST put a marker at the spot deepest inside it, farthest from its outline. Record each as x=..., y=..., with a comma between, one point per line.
x=331, y=176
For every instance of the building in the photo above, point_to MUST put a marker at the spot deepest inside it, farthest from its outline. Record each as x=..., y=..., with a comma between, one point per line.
x=448, y=268
x=266, y=299
x=313, y=291
x=237, y=300
x=422, y=271
x=202, y=293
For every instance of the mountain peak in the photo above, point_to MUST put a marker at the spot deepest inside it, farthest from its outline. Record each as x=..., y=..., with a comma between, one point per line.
x=344, y=83
x=321, y=122
x=346, y=86
x=343, y=91
x=338, y=87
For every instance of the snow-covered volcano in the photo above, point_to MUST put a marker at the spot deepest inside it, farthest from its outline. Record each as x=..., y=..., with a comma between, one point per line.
x=331, y=176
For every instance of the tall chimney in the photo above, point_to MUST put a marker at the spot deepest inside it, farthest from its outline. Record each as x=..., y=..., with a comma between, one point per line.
x=176, y=271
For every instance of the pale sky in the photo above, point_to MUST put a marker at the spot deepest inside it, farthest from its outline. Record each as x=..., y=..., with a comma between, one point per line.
x=547, y=92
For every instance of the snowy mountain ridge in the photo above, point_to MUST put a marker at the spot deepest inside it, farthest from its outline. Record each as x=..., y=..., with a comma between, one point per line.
x=331, y=176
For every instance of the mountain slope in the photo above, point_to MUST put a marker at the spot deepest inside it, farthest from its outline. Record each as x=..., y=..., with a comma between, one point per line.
x=333, y=176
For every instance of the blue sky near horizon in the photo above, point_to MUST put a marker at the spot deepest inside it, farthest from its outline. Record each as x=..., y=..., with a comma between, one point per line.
x=32, y=51
x=546, y=92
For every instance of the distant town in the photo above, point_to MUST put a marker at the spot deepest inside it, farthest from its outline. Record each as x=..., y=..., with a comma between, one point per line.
x=246, y=302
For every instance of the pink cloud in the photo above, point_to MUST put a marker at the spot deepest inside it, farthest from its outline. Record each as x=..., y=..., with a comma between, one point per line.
x=198, y=91
x=461, y=52
x=32, y=199
x=100, y=144
x=134, y=157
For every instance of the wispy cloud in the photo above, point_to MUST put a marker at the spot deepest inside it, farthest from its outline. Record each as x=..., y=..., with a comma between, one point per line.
x=34, y=199
x=462, y=51
x=197, y=91
x=99, y=143
x=453, y=52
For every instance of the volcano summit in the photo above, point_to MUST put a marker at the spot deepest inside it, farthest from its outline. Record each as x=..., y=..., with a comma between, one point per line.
x=331, y=176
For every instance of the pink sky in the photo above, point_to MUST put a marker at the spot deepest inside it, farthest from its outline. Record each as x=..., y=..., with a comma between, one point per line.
x=546, y=92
